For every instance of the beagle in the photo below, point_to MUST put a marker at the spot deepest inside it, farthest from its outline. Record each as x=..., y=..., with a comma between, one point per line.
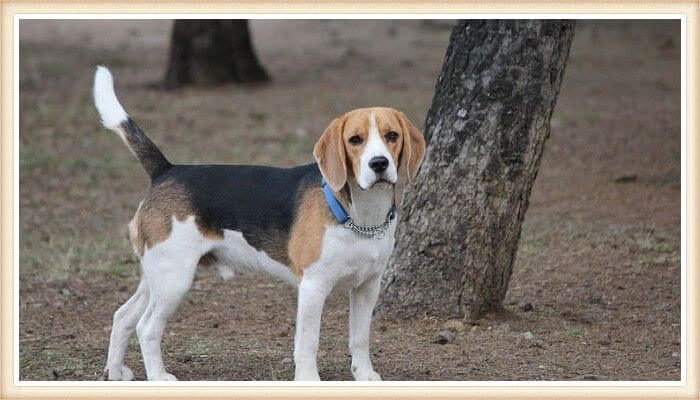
x=320, y=226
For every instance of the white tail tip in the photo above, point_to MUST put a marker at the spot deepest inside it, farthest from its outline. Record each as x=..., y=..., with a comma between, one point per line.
x=111, y=112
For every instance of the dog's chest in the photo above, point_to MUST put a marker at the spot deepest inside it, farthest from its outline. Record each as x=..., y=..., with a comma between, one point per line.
x=349, y=259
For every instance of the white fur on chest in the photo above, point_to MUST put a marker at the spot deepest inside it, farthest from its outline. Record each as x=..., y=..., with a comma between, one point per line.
x=347, y=259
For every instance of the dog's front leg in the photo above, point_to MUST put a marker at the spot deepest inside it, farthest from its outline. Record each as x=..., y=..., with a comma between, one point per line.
x=312, y=295
x=362, y=301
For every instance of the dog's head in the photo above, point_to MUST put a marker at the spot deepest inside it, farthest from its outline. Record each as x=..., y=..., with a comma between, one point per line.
x=369, y=145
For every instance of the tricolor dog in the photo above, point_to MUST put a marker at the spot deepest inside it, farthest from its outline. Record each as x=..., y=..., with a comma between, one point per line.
x=319, y=226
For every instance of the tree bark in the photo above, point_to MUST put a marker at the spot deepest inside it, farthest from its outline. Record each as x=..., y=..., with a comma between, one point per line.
x=211, y=52
x=486, y=131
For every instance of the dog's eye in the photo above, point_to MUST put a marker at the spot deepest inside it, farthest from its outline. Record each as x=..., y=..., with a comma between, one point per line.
x=392, y=136
x=355, y=140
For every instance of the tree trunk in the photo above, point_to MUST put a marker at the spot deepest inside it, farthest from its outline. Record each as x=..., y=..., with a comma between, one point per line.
x=211, y=52
x=486, y=131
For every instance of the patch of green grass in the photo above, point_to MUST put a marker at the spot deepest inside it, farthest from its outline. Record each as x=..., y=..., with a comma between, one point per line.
x=50, y=363
x=654, y=246
x=656, y=242
x=641, y=261
x=196, y=297
x=539, y=235
x=531, y=246
x=64, y=255
x=503, y=329
x=566, y=116
x=118, y=271
x=196, y=346
x=31, y=159
x=533, y=239
x=573, y=331
x=646, y=243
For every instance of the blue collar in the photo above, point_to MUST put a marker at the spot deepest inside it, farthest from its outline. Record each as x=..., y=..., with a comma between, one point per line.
x=337, y=209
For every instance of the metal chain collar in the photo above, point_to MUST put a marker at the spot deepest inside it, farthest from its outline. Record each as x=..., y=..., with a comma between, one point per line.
x=370, y=232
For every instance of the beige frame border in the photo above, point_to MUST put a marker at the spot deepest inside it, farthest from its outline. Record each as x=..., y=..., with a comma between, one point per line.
x=9, y=8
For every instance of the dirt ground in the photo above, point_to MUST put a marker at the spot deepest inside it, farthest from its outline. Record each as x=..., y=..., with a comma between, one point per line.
x=595, y=292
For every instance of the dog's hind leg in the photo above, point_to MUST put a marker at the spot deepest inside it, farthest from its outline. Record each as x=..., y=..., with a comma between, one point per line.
x=169, y=269
x=167, y=288
x=124, y=324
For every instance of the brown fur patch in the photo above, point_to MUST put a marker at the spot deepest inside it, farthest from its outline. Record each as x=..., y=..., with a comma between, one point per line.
x=152, y=222
x=329, y=152
x=307, y=232
x=137, y=240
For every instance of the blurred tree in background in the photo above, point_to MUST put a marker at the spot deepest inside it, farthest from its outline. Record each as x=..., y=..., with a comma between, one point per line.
x=210, y=52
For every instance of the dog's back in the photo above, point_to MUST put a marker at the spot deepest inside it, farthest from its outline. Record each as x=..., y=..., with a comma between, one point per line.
x=260, y=202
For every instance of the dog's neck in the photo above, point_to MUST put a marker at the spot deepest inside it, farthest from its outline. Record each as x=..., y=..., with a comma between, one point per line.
x=369, y=207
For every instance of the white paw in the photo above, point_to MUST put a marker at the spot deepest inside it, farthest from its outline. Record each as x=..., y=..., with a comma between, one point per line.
x=165, y=377
x=366, y=375
x=119, y=373
x=306, y=375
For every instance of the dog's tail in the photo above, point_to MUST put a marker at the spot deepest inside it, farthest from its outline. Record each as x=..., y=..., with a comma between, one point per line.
x=115, y=118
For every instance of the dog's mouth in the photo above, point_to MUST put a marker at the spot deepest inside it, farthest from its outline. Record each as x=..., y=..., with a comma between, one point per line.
x=379, y=184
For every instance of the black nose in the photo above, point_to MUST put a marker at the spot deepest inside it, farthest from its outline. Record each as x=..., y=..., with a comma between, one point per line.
x=378, y=164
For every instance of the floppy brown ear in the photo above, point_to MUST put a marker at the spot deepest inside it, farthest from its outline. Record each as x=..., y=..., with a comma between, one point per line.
x=329, y=152
x=412, y=152
x=413, y=148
